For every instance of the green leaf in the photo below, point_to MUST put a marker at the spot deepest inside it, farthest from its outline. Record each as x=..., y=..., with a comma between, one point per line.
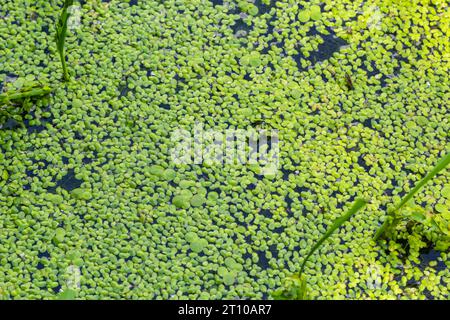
x=418, y=216
x=68, y=294
x=439, y=166
x=392, y=218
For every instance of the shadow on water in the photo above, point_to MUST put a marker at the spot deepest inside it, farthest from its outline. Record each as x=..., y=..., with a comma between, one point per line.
x=68, y=182
x=427, y=255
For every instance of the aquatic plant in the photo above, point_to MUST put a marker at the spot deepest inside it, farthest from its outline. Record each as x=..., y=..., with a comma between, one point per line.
x=61, y=33
x=67, y=294
x=27, y=92
x=395, y=215
x=295, y=287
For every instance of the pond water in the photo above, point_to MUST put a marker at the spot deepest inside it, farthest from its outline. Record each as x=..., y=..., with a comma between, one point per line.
x=120, y=183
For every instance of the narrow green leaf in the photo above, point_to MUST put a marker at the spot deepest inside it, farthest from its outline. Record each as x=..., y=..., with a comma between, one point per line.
x=392, y=220
x=357, y=205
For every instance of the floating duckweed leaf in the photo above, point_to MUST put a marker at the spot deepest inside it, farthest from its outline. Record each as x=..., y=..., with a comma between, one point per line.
x=296, y=93
x=197, y=245
x=197, y=200
x=59, y=235
x=184, y=184
x=156, y=170
x=255, y=60
x=77, y=103
x=5, y=175
x=229, y=262
x=187, y=193
x=81, y=194
x=222, y=271
x=232, y=264
x=169, y=174
x=213, y=196
x=191, y=236
x=252, y=9
x=304, y=15
x=73, y=254
x=78, y=262
x=446, y=191
x=229, y=278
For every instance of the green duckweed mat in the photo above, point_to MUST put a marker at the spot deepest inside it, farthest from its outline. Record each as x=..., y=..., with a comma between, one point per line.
x=91, y=200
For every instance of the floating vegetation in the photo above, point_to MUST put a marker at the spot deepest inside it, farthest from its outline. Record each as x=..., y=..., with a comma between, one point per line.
x=94, y=198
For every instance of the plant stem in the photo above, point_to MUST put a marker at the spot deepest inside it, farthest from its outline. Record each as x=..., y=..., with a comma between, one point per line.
x=19, y=95
x=61, y=33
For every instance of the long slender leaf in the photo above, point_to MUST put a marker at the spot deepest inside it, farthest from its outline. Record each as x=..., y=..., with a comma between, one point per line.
x=357, y=205
x=391, y=219
x=35, y=91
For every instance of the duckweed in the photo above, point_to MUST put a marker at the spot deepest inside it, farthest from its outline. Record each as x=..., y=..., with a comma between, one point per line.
x=229, y=278
x=88, y=180
x=181, y=201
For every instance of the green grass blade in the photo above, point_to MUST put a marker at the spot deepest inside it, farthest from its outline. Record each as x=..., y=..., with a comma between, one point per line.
x=439, y=166
x=390, y=220
x=24, y=93
x=357, y=205
x=61, y=32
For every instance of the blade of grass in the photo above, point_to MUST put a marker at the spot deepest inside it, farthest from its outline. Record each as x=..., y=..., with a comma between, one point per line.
x=357, y=205
x=391, y=219
x=61, y=32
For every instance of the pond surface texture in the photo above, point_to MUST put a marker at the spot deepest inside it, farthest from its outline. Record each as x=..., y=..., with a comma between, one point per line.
x=91, y=199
